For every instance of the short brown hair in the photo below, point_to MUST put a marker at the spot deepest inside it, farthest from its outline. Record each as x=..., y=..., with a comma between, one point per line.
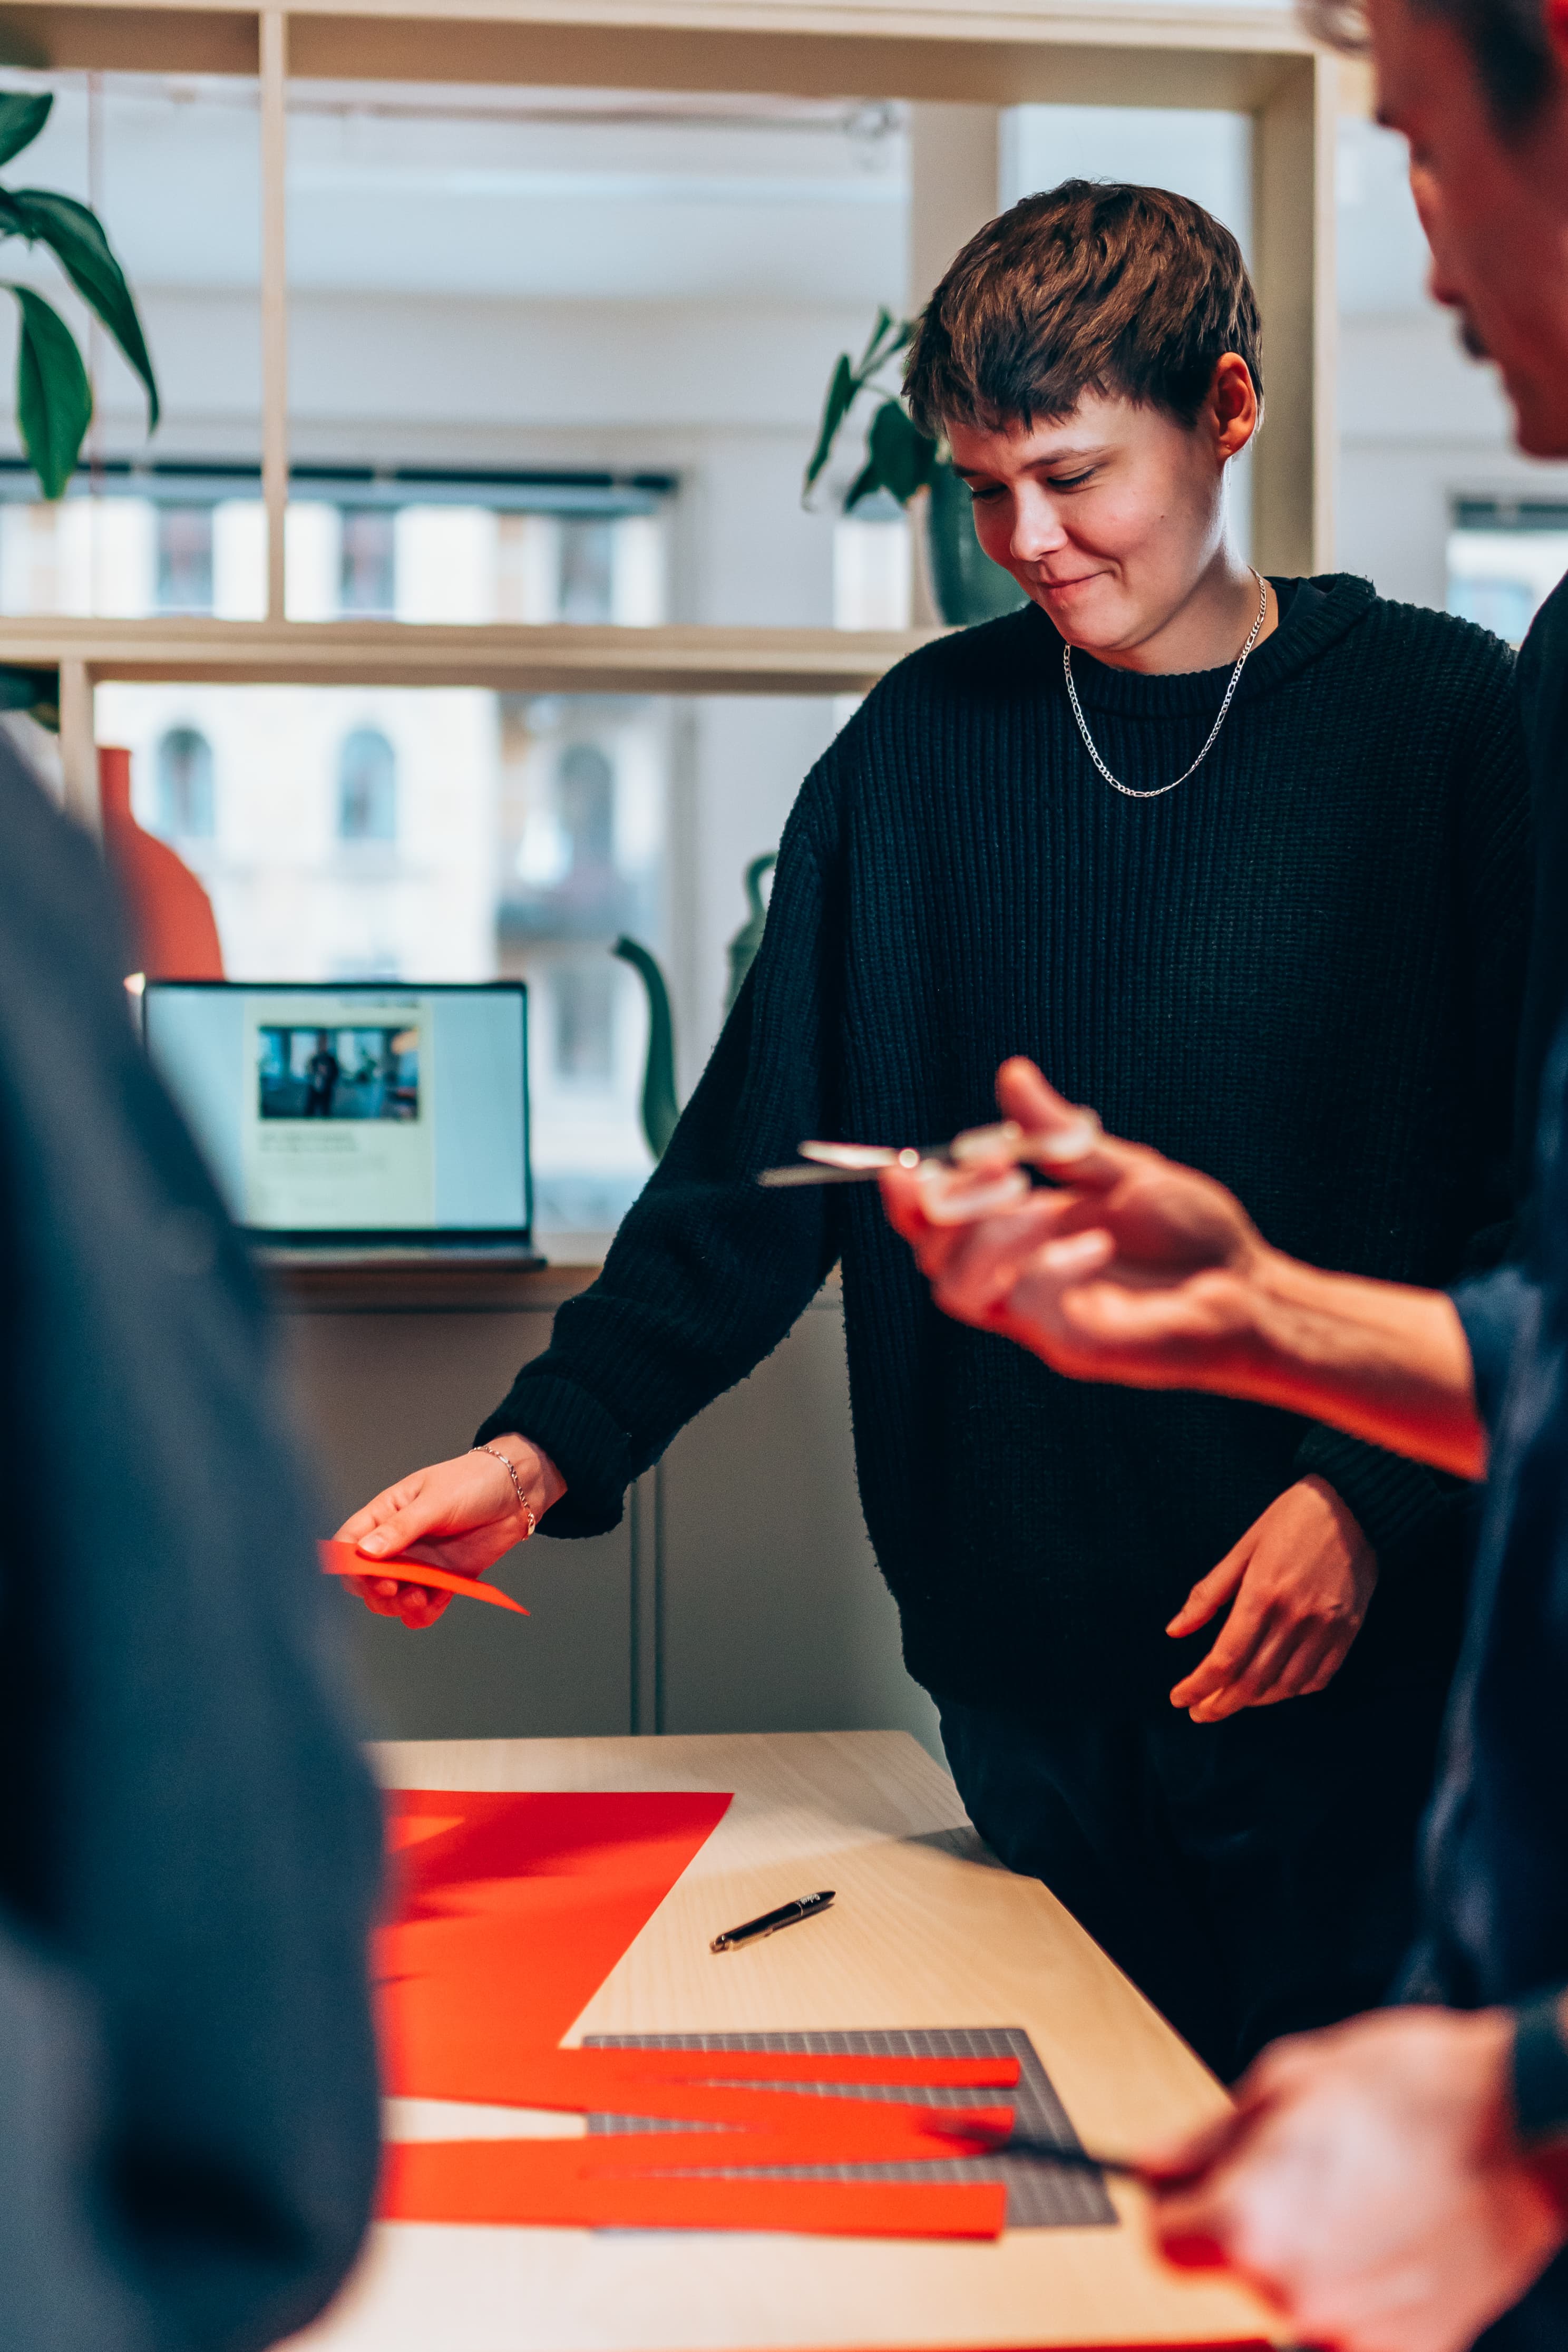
x=1091, y=287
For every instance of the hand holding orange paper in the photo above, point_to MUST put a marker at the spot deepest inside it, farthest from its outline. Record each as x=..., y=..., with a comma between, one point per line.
x=342, y=1560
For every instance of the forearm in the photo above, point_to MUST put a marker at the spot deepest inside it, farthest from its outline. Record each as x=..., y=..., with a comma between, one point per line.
x=1378, y=1360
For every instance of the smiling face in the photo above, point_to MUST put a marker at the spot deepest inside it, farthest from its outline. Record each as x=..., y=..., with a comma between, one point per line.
x=1112, y=520
x=1495, y=212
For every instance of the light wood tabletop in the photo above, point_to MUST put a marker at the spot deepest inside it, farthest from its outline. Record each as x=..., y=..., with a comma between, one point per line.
x=927, y=1931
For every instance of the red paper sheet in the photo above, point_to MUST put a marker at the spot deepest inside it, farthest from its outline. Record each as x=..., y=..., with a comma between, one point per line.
x=342, y=1560
x=514, y=1910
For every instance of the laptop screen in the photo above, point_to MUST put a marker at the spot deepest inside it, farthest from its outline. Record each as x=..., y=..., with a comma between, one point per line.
x=363, y=1110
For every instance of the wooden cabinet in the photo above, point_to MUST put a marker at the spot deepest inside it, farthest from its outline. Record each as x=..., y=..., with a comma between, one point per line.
x=738, y=1594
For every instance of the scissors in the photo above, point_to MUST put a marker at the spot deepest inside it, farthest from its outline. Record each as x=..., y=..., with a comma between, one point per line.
x=862, y=1163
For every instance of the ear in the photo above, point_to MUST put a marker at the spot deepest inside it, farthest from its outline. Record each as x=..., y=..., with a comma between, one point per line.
x=1234, y=409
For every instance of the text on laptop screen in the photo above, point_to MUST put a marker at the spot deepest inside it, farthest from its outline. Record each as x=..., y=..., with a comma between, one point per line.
x=360, y=1108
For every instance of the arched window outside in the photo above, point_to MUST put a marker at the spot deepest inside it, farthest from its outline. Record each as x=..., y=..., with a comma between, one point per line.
x=367, y=787
x=184, y=773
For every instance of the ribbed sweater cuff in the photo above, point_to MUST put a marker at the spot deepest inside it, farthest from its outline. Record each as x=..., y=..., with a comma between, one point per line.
x=588, y=1448
x=1397, y=1504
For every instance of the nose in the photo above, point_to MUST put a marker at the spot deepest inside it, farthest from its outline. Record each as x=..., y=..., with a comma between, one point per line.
x=1036, y=527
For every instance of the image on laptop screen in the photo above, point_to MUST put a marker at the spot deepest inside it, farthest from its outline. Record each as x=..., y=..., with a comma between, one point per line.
x=367, y=1110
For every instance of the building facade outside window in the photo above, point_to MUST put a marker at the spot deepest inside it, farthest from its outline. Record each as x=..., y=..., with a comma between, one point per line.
x=587, y=568
x=368, y=562
x=183, y=575
x=367, y=787
x=186, y=804
x=584, y=1002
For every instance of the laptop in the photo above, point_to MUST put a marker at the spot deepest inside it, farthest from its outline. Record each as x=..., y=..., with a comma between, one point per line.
x=358, y=1113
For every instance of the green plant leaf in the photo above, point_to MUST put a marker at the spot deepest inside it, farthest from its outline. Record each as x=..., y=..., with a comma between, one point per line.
x=21, y=120
x=903, y=456
x=867, y=480
x=36, y=691
x=76, y=238
x=841, y=399
x=871, y=357
x=54, y=400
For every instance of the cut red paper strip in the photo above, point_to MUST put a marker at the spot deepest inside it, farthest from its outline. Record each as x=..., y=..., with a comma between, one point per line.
x=514, y=1910
x=549, y=2183
x=342, y=1560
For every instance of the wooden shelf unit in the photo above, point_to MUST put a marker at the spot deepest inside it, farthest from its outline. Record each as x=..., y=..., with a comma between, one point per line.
x=996, y=53
x=506, y=657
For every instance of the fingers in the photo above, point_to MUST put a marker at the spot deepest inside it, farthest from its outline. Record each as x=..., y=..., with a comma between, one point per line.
x=395, y=1533
x=1211, y=1592
x=1072, y=1134
x=925, y=1203
x=380, y=1508
x=976, y=1276
x=1247, y=1634
x=388, y=1596
x=1285, y=1663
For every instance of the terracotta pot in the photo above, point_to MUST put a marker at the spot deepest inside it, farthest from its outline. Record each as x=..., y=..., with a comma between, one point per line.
x=173, y=935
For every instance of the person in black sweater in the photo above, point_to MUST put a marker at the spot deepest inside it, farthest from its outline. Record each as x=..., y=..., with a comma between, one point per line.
x=1245, y=865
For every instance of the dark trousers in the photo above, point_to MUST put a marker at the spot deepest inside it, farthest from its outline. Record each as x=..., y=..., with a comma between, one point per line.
x=1253, y=1877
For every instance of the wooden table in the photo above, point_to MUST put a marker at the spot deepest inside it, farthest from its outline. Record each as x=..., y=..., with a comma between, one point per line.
x=928, y=1930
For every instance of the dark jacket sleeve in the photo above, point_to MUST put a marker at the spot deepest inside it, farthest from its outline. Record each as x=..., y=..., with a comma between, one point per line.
x=1405, y=1508
x=1494, y=1309
x=189, y=1842
x=708, y=1270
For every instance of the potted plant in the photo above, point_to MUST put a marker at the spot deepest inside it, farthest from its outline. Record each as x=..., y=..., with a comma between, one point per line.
x=54, y=398
x=904, y=461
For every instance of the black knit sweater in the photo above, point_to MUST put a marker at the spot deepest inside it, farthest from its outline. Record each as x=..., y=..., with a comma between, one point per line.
x=1301, y=971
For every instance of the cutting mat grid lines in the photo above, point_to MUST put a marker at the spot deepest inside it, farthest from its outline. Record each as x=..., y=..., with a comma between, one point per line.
x=1041, y=2195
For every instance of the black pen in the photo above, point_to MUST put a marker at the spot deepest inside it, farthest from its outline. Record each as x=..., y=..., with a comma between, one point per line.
x=771, y=1921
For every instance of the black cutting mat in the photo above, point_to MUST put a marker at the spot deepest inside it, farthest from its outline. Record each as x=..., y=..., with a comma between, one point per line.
x=1041, y=2195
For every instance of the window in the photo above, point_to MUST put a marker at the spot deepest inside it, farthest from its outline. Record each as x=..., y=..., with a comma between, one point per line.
x=587, y=568
x=1505, y=557
x=368, y=564
x=183, y=575
x=586, y=790
x=584, y=997
x=367, y=787
x=184, y=770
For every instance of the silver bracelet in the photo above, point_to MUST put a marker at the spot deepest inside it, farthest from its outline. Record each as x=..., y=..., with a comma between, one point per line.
x=523, y=1503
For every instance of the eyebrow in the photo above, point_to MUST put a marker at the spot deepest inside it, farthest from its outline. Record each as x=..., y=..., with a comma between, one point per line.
x=1051, y=458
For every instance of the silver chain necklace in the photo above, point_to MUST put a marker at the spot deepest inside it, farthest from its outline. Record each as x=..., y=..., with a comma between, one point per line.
x=1160, y=790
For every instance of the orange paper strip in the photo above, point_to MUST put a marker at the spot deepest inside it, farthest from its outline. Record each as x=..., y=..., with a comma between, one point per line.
x=550, y=2183
x=513, y=1911
x=342, y=1560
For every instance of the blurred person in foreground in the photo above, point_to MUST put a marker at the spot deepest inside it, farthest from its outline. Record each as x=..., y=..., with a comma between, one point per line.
x=189, y=1845
x=1398, y=2182
x=1175, y=829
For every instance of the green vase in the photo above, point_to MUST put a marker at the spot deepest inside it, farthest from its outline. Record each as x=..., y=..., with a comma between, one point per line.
x=660, y=1108
x=967, y=586
x=748, y=938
